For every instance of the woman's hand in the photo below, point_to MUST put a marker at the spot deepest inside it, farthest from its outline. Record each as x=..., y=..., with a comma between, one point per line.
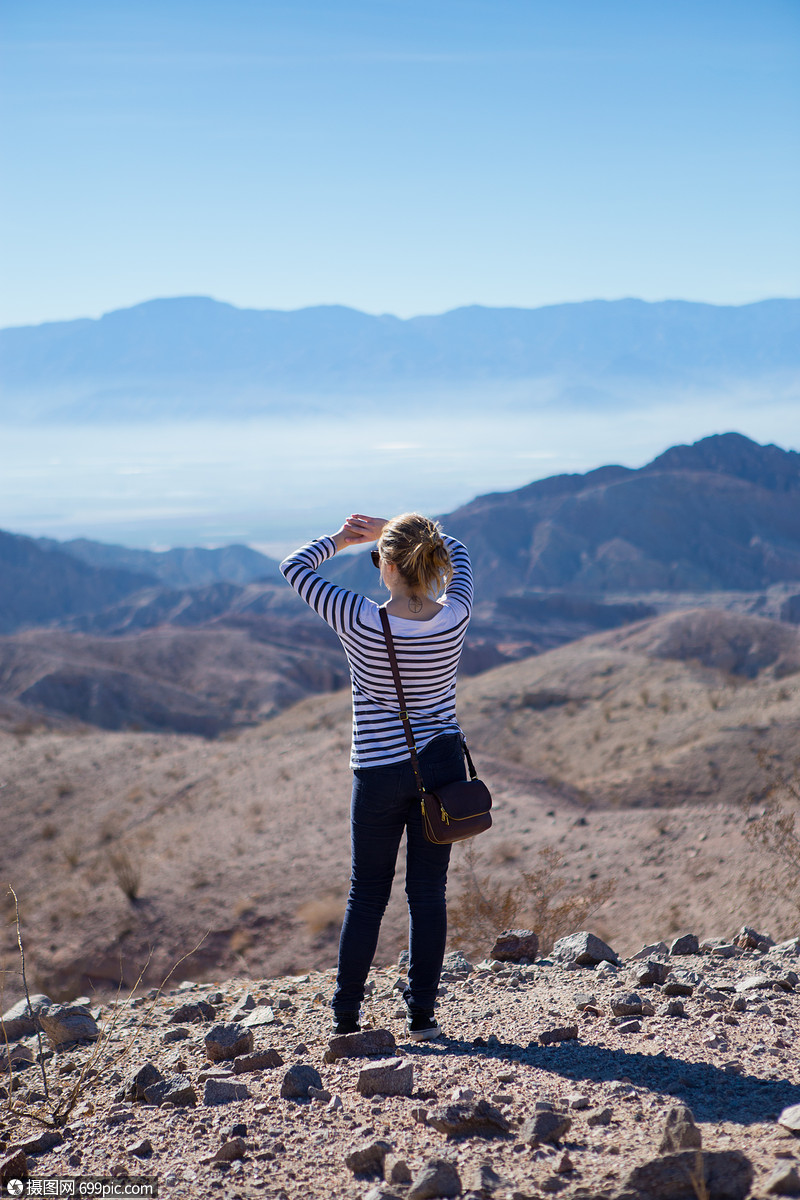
x=358, y=529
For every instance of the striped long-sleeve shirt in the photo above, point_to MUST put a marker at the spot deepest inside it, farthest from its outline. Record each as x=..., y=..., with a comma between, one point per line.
x=427, y=654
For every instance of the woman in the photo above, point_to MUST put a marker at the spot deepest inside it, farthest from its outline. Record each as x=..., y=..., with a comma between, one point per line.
x=417, y=564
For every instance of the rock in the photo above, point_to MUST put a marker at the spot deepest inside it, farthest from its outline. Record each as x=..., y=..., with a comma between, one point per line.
x=43, y=1143
x=602, y=1117
x=175, y=1089
x=680, y=1131
x=361, y=1045
x=179, y=1033
x=627, y=1005
x=193, y=1013
x=379, y=1193
x=297, y=1080
x=262, y=1015
x=259, y=1060
x=583, y=948
x=319, y=1094
x=231, y=1150
x=515, y=945
x=395, y=1170
x=671, y=1008
x=790, y=1118
x=390, y=1077
x=728, y=1175
x=584, y=1000
x=368, y=1159
x=784, y=1181
x=469, y=1118
x=564, y=1164
x=227, y=1040
x=629, y=1026
x=245, y=1006
x=15, y=1166
x=456, y=964
x=578, y=1101
x=141, y=1079
x=689, y=943
x=791, y=946
x=64, y=1023
x=680, y=983
x=749, y=939
x=437, y=1178
x=753, y=983
x=19, y=1056
x=222, y=1091
x=141, y=1149
x=22, y=1019
x=650, y=972
x=724, y=950
x=559, y=1033
x=655, y=950
x=485, y=1180
x=545, y=1127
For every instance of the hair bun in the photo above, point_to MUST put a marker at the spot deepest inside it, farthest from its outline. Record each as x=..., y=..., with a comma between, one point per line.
x=414, y=545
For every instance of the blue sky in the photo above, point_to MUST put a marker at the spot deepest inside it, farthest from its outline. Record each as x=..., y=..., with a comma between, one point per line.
x=395, y=155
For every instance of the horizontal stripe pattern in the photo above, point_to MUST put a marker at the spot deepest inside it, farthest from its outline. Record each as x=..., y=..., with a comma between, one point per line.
x=427, y=654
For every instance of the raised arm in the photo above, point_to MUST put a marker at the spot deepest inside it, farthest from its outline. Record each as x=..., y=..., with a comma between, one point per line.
x=336, y=605
x=459, y=588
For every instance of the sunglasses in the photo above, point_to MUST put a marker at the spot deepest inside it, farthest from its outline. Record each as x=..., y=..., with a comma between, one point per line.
x=376, y=558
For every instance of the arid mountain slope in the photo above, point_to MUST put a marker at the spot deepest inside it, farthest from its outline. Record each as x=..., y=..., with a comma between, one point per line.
x=678, y=708
x=721, y=514
x=635, y=767
x=198, y=681
x=38, y=586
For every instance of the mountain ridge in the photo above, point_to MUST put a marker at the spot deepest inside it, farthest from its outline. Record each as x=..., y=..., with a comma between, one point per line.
x=194, y=356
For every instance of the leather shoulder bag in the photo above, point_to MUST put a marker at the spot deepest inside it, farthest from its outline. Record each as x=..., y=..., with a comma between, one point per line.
x=455, y=811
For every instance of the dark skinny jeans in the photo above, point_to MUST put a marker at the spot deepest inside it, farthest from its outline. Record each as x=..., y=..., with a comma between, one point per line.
x=385, y=803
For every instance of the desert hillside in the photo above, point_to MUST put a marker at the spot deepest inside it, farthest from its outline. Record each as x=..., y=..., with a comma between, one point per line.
x=634, y=766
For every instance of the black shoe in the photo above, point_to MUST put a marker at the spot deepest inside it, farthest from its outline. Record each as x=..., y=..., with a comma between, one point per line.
x=346, y=1023
x=422, y=1027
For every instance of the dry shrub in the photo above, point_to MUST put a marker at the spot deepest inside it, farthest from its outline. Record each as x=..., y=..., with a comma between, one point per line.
x=241, y=941
x=322, y=912
x=774, y=828
x=127, y=871
x=539, y=900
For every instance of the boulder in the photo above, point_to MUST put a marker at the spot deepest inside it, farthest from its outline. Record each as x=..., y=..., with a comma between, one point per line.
x=515, y=945
x=390, y=1077
x=436, y=1178
x=361, y=1045
x=584, y=949
x=64, y=1023
x=469, y=1118
x=22, y=1019
x=368, y=1159
x=298, y=1079
x=223, y=1091
x=726, y=1174
x=679, y=1131
x=545, y=1126
x=227, y=1040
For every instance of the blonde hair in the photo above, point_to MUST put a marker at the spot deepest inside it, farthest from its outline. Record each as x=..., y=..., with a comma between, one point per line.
x=414, y=545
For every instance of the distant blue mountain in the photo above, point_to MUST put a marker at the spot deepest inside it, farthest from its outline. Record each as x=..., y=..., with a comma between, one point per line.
x=194, y=356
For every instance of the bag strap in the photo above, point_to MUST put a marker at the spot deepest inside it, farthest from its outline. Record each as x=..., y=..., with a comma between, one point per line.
x=398, y=683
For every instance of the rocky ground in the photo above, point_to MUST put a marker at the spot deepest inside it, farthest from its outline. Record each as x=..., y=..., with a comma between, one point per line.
x=552, y=1078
